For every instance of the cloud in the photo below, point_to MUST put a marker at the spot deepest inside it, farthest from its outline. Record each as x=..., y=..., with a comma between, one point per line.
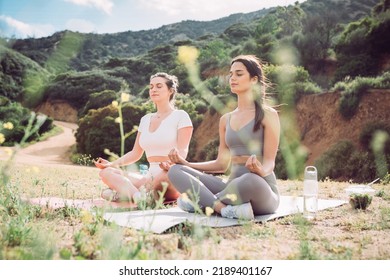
x=208, y=9
x=104, y=5
x=23, y=30
x=80, y=25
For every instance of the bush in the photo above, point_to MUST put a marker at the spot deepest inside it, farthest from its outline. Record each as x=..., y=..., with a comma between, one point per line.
x=76, y=88
x=368, y=132
x=353, y=91
x=344, y=162
x=210, y=150
x=98, y=131
x=290, y=82
x=98, y=100
x=19, y=116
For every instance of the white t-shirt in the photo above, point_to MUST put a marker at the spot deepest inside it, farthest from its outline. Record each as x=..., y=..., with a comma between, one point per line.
x=164, y=138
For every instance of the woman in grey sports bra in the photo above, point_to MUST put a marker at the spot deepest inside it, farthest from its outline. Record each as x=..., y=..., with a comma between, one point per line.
x=249, y=140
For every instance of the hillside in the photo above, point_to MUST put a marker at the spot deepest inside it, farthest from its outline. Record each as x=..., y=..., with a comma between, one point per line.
x=99, y=48
x=319, y=121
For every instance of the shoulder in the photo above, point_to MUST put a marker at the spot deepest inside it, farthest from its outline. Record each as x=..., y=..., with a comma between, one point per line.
x=181, y=113
x=225, y=117
x=269, y=111
x=146, y=117
x=270, y=115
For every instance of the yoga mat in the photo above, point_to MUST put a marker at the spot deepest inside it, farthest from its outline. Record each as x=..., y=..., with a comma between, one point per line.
x=86, y=204
x=158, y=221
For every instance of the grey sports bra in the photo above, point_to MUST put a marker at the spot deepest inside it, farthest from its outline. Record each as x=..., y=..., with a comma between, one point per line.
x=245, y=141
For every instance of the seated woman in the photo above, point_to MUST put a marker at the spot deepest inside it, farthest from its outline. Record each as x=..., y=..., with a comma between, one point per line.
x=157, y=133
x=248, y=139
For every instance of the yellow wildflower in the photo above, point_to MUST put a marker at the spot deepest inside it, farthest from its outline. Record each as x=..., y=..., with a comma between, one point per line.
x=86, y=217
x=8, y=125
x=125, y=97
x=188, y=54
x=231, y=196
x=35, y=169
x=8, y=151
x=185, y=197
x=118, y=120
x=115, y=103
x=209, y=211
x=2, y=138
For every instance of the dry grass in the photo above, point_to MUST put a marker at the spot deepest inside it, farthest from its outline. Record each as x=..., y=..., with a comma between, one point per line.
x=340, y=233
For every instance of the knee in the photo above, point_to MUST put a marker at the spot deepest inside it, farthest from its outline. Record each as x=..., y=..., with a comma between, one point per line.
x=106, y=172
x=173, y=171
x=252, y=181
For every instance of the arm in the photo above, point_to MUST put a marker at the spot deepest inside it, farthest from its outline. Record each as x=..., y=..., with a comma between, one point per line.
x=183, y=140
x=271, y=126
x=218, y=165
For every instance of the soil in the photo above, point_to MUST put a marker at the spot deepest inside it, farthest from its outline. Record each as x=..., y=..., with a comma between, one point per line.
x=319, y=121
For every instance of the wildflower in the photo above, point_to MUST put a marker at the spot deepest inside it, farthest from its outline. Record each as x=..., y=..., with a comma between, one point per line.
x=2, y=138
x=86, y=217
x=107, y=151
x=231, y=196
x=35, y=169
x=125, y=97
x=185, y=197
x=118, y=120
x=8, y=151
x=115, y=103
x=209, y=211
x=188, y=55
x=8, y=125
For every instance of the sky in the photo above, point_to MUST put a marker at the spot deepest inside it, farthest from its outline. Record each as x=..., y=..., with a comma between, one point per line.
x=41, y=18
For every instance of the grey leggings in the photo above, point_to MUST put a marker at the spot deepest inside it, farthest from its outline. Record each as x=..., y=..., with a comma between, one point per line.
x=261, y=192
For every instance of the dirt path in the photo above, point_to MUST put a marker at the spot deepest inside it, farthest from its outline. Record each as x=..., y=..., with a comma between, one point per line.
x=54, y=150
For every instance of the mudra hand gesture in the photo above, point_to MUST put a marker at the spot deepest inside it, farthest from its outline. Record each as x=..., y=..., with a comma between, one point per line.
x=102, y=163
x=175, y=157
x=254, y=165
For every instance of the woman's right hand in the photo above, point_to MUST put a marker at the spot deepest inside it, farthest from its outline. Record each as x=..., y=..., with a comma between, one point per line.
x=102, y=163
x=175, y=157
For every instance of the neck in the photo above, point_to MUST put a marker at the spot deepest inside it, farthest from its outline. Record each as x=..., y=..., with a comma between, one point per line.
x=163, y=111
x=164, y=108
x=245, y=102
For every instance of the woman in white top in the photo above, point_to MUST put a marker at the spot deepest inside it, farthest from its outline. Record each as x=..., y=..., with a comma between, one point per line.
x=157, y=133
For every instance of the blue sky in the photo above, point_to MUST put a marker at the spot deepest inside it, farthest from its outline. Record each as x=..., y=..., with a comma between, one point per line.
x=41, y=18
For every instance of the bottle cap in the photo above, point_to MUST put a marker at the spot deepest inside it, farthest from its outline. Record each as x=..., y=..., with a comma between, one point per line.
x=311, y=173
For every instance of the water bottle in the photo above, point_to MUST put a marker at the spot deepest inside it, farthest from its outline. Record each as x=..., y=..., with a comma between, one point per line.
x=310, y=193
x=143, y=169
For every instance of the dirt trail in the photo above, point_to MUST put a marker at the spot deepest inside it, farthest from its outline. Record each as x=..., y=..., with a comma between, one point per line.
x=54, y=150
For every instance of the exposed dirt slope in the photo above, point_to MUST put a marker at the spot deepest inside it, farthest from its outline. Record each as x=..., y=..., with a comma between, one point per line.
x=319, y=121
x=322, y=125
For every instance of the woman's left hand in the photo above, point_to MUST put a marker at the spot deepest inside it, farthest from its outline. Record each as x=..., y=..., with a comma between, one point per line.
x=166, y=165
x=254, y=165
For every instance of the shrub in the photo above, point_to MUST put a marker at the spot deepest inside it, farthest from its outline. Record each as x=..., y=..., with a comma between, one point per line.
x=368, y=132
x=353, y=91
x=344, y=162
x=210, y=150
x=290, y=82
x=98, y=131
x=19, y=116
x=98, y=100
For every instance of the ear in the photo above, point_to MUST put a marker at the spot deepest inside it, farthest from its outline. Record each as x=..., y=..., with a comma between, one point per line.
x=254, y=80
